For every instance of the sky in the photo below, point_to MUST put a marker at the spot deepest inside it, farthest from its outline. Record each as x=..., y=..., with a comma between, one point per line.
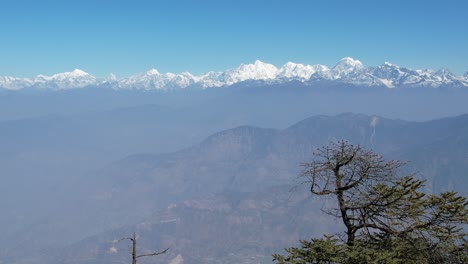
x=129, y=37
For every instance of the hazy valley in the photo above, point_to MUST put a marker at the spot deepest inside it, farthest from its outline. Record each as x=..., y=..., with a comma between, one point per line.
x=209, y=173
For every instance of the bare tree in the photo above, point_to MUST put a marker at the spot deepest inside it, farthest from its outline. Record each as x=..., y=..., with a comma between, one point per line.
x=133, y=250
x=371, y=196
x=387, y=217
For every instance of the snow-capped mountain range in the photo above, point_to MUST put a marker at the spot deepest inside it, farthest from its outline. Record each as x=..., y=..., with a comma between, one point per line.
x=347, y=70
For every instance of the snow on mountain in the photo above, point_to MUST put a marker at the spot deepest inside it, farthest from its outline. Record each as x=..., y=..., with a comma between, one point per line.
x=391, y=76
x=153, y=79
x=444, y=74
x=293, y=70
x=388, y=74
x=345, y=67
x=256, y=71
x=347, y=70
x=14, y=83
x=388, y=71
x=210, y=79
x=400, y=76
x=66, y=80
x=183, y=80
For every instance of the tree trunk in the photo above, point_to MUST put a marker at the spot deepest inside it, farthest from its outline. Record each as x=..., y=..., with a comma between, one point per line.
x=342, y=205
x=134, y=256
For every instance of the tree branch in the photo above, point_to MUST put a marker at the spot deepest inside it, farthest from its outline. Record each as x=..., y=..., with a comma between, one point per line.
x=153, y=254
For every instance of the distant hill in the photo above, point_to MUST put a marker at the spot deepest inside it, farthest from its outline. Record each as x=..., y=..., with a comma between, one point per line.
x=240, y=165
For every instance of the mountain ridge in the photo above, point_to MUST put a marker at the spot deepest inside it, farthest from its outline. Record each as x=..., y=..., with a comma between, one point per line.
x=246, y=160
x=347, y=70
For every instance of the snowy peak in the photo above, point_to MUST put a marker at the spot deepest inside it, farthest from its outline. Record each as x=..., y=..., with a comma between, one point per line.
x=152, y=72
x=75, y=74
x=445, y=74
x=257, y=71
x=153, y=79
x=348, y=62
x=387, y=71
x=347, y=70
x=66, y=80
x=346, y=66
x=293, y=70
x=78, y=72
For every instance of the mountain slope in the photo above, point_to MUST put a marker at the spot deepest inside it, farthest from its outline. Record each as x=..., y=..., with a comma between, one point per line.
x=226, y=206
x=251, y=159
x=241, y=160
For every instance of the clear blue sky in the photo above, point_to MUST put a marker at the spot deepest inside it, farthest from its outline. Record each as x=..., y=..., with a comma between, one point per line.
x=127, y=37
